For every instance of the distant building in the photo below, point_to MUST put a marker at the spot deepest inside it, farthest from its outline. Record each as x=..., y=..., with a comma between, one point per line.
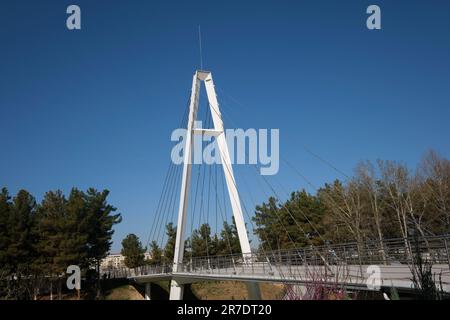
x=113, y=261
x=147, y=256
x=117, y=261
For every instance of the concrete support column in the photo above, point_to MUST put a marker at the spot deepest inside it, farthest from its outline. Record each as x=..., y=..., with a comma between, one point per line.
x=148, y=291
x=176, y=290
x=253, y=291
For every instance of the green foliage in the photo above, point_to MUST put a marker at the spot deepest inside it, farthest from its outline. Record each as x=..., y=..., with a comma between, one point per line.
x=394, y=294
x=133, y=251
x=76, y=229
x=22, y=233
x=62, y=240
x=155, y=253
x=294, y=223
x=378, y=202
x=100, y=221
x=5, y=213
x=169, y=249
x=39, y=241
x=229, y=242
x=423, y=277
x=202, y=243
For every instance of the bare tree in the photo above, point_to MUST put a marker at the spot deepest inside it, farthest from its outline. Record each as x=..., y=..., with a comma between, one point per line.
x=346, y=206
x=436, y=173
x=366, y=175
x=394, y=182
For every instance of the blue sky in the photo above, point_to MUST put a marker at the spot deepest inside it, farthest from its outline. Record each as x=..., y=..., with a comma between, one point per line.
x=96, y=107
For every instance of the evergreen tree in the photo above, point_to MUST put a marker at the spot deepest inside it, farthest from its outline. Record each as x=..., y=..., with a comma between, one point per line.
x=269, y=226
x=229, y=242
x=51, y=222
x=22, y=232
x=155, y=253
x=5, y=259
x=294, y=223
x=169, y=249
x=99, y=223
x=62, y=236
x=38, y=242
x=5, y=211
x=201, y=241
x=133, y=251
x=303, y=215
x=215, y=247
x=76, y=244
x=22, y=252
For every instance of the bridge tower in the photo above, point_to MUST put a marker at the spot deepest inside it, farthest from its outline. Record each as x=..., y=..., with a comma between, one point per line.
x=176, y=289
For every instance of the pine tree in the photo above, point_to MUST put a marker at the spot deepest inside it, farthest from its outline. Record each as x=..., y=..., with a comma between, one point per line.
x=62, y=236
x=39, y=242
x=99, y=226
x=99, y=222
x=23, y=235
x=202, y=244
x=269, y=225
x=229, y=242
x=76, y=228
x=5, y=211
x=5, y=259
x=22, y=232
x=155, y=253
x=304, y=214
x=169, y=249
x=51, y=221
x=133, y=251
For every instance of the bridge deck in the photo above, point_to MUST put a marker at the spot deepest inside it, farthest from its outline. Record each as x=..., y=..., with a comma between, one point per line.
x=352, y=276
x=348, y=265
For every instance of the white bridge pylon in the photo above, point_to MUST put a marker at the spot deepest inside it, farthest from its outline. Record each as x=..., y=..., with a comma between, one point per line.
x=176, y=290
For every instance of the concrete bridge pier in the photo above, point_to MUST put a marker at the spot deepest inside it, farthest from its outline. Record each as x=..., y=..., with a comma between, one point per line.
x=254, y=293
x=148, y=290
x=176, y=290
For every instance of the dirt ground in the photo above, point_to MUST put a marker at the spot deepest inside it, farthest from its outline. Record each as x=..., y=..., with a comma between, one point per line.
x=232, y=290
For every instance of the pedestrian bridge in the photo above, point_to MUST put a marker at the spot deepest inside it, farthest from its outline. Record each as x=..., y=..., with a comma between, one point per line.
x=346, y=266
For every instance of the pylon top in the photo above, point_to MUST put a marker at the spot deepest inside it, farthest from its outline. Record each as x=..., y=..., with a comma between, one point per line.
x=202, y=74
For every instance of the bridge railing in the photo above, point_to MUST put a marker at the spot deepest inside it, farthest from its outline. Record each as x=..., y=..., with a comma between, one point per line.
x=390, y=252
x=124, y=272
x=344, y=263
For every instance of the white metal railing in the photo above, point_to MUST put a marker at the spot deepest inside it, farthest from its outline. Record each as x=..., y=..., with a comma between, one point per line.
x=342, y=261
